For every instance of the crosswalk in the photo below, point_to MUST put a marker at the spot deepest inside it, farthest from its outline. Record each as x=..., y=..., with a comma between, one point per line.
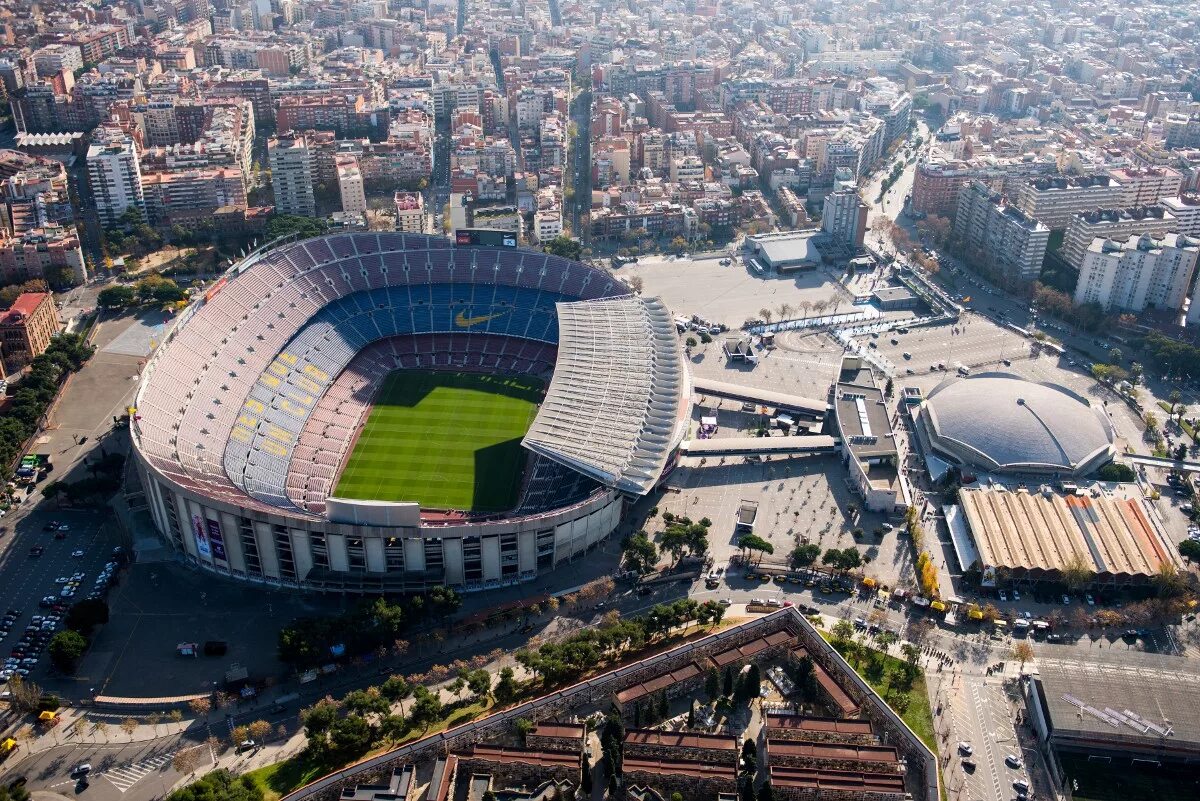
x=125, y=777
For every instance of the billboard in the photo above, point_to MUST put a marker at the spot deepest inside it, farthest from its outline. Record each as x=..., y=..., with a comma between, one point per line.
x=201, y=532
x=216, y=541
x=486, y=237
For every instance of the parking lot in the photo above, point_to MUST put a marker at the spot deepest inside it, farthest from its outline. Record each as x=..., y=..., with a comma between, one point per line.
x=42, y=571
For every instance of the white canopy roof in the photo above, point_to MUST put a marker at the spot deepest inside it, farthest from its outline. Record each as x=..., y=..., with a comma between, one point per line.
x=618, y=403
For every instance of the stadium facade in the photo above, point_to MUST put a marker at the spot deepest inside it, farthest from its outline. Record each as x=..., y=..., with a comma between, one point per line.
x=248, y=410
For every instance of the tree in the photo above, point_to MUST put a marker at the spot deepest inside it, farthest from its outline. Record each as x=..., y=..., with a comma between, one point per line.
x=563, y=246
x=426, y=709
x=843, y=630
x=728, y=685
x=753, y=542
x=1168, y=581
x=259, y=730
x=66, y=649
x=506, y=687
x=1077, y=572
x=116, y=297
x=1175, y=398
x=200, y=706
x=219, y=785
x=1115, y=471
x=303, y=227
x=129, y=726
x=753, y=684
x=1190, y=549
x=1115, y=356
x=479, y=682
x=350, y=737
x=186, y=761
x=585, y=778
x=86, y=615
x=26, y=696
x=640, y=553
x=1022, y=652
x=805, y=555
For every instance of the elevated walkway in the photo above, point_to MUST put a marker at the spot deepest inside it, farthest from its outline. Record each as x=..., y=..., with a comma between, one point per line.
x=784, y=402
x=759, y=446
x=1159, y=461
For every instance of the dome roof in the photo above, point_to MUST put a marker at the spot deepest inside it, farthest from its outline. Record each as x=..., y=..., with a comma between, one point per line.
x=1002, y=422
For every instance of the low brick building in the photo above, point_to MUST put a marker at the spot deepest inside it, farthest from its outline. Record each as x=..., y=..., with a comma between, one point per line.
x=718, y=749
x=401, y=786
x=674, y=683
x=555, y=736
x=834, y=756
x=831, y=691
x=819, y=729
x=518, y=766
x=759, y=648
x=695, y=781
x=26, y=329
x=810, y=784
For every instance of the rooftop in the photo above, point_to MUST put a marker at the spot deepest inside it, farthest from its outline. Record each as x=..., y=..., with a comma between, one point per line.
x=1046, y=531
x=1147, y=700
x=24, y=306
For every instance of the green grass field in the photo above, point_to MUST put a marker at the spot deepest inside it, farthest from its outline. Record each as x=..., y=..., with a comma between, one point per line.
x=444, y=440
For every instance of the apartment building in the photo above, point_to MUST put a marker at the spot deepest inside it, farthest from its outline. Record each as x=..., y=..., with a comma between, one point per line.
x=350, y=186
x=114, y=175
x=1138, y=273
x=1115, y=224
x=42, y=253
x=26, y=329
x=1053, y=201
x=410, y=212
x=1186, y=211
x=1014, y=243
x=1146, y=185
x=292, y=175
x=97, y=42
x=844, y=217
x=547, y=224
x=36, y=196
x=187, y=197
x=52, y=59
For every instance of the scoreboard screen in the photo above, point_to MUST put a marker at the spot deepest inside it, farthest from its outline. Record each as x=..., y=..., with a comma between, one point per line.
x=487, y=237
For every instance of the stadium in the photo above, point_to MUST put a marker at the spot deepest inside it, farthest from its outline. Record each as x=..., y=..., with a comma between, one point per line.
x=386, y=412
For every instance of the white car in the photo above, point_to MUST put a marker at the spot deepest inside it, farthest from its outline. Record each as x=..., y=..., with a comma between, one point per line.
x=1090, y=600
x=965, y=748
x=62, y=579
x=1013, y=761
x=77, y=554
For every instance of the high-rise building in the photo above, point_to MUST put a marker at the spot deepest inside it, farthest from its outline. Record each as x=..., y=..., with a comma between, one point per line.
x=27, y=328
x=292, y=175
x=1012, y=242
x=844, y=217
x=350, y=186
x=114, y=175
x=1137, y=273
x=1147, y=184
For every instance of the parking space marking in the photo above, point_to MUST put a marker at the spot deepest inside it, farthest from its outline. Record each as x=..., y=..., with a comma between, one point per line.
x=125, y=777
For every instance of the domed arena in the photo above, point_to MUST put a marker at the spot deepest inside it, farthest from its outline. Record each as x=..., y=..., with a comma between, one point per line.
x=386, y=412
x=1002, y=423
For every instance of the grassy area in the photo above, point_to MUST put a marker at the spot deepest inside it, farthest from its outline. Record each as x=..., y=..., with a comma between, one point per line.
x=878, y=669
x=281, y=778
x=284, y=777
x=1105, y=781
x=445, y=440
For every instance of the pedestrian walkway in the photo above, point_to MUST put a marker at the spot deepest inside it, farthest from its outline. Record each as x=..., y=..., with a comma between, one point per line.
x=125, y=777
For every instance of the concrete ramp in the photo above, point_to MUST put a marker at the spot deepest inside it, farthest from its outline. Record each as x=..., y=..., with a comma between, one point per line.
x=806, y=407
x=759, y=446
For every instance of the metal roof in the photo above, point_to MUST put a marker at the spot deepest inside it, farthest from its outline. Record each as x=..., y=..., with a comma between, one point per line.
x=1000, y=421
x=618, y=403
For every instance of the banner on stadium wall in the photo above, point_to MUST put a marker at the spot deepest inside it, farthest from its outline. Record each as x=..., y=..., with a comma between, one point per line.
x=202, y=545
x=216, y=541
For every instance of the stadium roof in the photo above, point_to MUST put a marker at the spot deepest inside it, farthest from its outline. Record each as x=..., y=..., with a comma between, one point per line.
x=618, y=403
x=998, y=421
x=1163, y=691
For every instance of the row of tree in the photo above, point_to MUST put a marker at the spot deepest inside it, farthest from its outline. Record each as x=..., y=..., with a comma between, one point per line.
x=569, y=659
x=152, y=289
x=368, y=627
x=32, y=395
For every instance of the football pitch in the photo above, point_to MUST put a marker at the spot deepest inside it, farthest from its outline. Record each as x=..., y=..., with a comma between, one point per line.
x=444, y=440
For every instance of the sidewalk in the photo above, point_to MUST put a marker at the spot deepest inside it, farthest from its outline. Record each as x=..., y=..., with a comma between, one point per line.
x=79, y=726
